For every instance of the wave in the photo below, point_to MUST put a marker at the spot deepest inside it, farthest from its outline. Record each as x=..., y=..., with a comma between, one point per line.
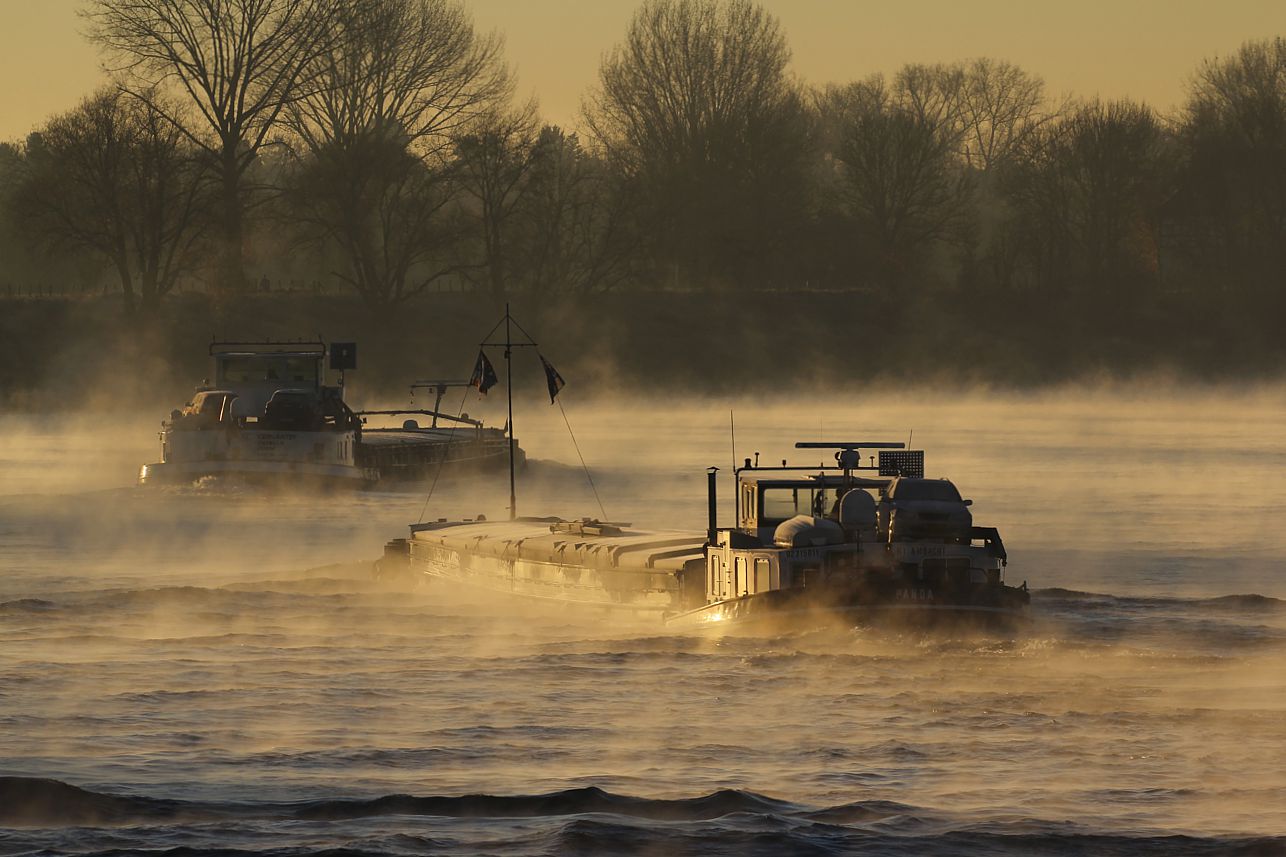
x=35, y=802
x=1058, y=593
x=1248, y=603
x=28, y=605
x=569, y=802
x=754, y=836
x=576, y=821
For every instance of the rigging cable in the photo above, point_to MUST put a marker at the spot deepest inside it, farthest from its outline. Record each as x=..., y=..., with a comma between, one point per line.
x=443, y=460
x=582, y=459
x=589, y=478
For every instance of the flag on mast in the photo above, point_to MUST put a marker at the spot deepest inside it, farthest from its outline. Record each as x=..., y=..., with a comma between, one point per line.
x=484, y=374
x=552, y=378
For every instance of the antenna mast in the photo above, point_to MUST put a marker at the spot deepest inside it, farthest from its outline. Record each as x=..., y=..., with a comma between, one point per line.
x=509, y=389
x=736, y=494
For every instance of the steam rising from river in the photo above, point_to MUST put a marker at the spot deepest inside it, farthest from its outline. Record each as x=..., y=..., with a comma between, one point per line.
x=215, y=645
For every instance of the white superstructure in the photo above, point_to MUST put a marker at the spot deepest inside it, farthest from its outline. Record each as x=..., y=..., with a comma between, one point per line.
x=267, y=413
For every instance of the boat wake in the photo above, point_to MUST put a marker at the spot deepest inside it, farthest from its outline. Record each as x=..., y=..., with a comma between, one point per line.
x=1058, y=616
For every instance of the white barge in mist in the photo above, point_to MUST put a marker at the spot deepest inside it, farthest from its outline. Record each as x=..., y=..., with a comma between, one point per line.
x=268, y=415
x=811, y=540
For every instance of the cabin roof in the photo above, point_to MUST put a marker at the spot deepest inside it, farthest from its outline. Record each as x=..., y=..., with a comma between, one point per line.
x=287, y=348
x=266, y=355
x=827, y=480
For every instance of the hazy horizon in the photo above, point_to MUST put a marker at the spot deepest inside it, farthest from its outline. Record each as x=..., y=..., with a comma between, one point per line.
x=1145, y=50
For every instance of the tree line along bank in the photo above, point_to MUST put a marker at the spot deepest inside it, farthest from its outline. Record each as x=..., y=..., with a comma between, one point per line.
x=376, y=148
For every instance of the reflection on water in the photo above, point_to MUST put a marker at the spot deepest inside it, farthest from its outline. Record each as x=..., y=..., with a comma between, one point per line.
x=175, y=646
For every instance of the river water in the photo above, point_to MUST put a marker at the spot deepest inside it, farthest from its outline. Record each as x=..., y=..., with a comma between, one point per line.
x=211, y=669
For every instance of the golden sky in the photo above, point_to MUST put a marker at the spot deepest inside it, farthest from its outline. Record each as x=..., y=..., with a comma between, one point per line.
x=1145, y=49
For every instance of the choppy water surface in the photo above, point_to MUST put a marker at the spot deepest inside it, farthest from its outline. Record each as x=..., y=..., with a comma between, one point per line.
x=201, y=669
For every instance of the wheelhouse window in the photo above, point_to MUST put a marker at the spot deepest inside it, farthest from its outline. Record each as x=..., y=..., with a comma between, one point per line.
x=247, y=370
x=779, y=504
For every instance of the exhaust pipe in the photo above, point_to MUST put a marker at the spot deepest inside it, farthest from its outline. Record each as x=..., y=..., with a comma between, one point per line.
x=712, y=532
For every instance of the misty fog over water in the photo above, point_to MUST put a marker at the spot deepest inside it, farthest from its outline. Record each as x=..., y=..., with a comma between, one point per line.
x=216, y=668
x=745, y=237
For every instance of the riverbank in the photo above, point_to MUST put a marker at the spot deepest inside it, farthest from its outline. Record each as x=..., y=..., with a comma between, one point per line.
x=55, y=353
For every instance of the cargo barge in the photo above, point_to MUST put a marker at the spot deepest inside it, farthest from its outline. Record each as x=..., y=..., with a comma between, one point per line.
x=809, y=541
x=267, y=414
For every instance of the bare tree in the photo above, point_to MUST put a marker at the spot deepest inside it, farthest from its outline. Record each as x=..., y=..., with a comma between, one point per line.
x=934, y=95
x=495, y=160
x=399, y=82
x=238, y=63
x=1000, y=106
x=984, y=106
x=577, y=219
x=1233, y=194
x=897, y=176
x=1088, y=192
x=113, y=176
x=696, y=108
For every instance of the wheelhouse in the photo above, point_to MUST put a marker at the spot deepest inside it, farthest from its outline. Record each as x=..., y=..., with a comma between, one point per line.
x=803, y=527
x=763, y=504
x=257, y=370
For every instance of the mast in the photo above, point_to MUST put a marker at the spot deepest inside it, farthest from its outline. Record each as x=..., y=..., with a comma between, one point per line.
x=509, y=387
x=509, y=345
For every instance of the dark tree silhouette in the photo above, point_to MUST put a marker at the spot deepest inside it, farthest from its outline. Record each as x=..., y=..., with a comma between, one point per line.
x=400, y=82
x=237, y=64
x=577, y=219
x=115, y=177
x=495, y=159
x=933, y=94
x=897, y=177
x=984, y=107
x=1000, y=106
x=1233, y=191
x=696, y=109
x=1088, y=191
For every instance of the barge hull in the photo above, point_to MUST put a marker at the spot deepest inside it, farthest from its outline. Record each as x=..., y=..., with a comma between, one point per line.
x=410, y=454
x=795, y=610
x=182, y=472
x=634, y=571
